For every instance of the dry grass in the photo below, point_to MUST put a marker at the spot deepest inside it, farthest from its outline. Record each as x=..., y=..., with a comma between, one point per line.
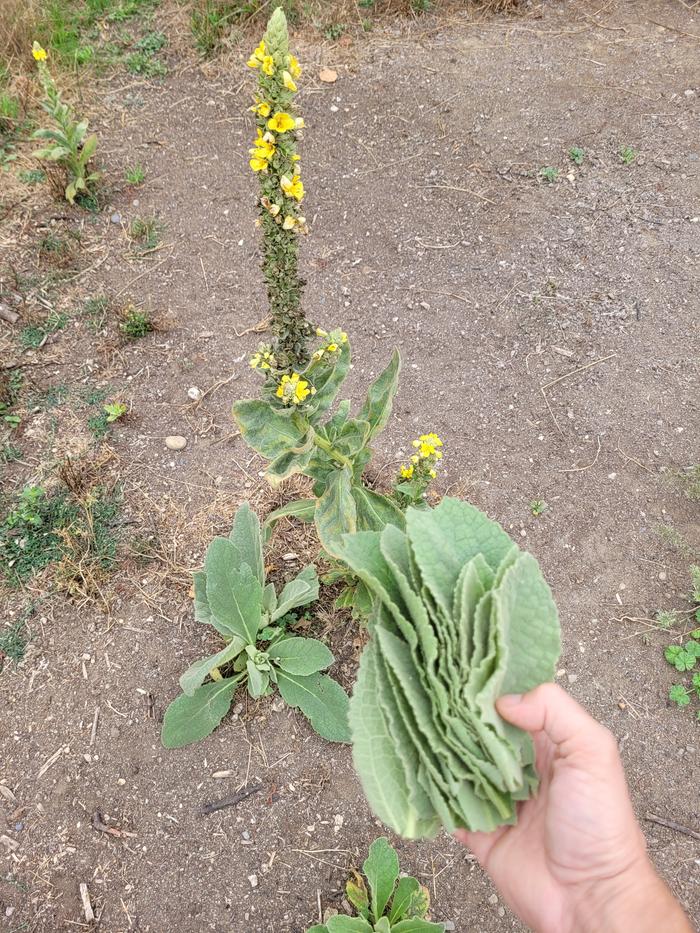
x=17, y=25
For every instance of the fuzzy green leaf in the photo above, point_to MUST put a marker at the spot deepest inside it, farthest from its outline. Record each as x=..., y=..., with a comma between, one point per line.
x=375, y=511
x=300, y=655
x=380, y=396
x=321, y=699
x=407, y=891
x=344, y=924
x=245, y=537
x=328, y=383
x=381, y=868
x=300, y=591
x=202, y=609
x=196, y=674
x=336, y=513
x=234, y=596
x=266, y=429
x=303, y=509
x=417, y=926
x=191, y=718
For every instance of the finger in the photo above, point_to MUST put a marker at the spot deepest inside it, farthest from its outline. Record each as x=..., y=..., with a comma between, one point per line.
x=551, y=710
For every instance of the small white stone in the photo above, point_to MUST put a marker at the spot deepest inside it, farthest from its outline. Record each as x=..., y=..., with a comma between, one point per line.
x=194, y=393
x=253, y=880
x=175, y=442
x=290, y=556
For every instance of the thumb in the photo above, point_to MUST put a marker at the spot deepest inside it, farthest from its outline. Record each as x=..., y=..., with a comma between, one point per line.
x=551, y=710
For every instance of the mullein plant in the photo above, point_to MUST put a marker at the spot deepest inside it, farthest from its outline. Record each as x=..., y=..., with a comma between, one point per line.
x=67, y=142
x=274, y=159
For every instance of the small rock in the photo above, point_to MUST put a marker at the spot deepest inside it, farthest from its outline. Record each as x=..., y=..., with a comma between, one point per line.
x=328, y=76
x=116, y=218
x=448, y=925
x=194, y=393
x=572, y=678
x=493, y=899
x=175, y=442
x=662, y=575
x=253, y=880
x=290, y=556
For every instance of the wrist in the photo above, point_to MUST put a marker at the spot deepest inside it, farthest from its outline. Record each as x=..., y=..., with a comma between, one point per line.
x=636, y=899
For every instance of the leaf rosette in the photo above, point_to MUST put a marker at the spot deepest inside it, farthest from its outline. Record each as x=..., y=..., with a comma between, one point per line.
x=460, y=616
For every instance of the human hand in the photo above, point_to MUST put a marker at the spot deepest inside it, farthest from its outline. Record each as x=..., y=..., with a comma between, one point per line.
x=576, y=859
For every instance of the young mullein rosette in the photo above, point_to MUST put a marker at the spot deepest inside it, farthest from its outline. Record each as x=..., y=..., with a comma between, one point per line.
x=274, y=159
x=416, y=476
x=67, y=142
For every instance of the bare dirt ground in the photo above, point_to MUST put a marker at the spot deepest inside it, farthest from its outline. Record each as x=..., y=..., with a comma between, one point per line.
x=432, y=231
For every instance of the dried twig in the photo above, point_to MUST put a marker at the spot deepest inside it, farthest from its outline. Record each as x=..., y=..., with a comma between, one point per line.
x=258, y=328
x=87, y=906
x=232, y=800
x=671, y=824
x=593, y=462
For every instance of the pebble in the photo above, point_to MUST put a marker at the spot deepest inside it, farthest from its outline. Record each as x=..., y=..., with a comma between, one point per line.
x=175, y=442
x=116, y=218
x=572, y=678
x=662, y=575
x=448, y=925
x=194, y=393
x=493, y=899
x=290, y=556
x=253, y=880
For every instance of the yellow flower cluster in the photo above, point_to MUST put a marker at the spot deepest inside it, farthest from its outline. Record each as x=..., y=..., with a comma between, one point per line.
x=293, y=390
x=293, y=187
x=259, y=59
x=264, y=358
x=334, y=341
x=40, y=54
x=427, y=445
x=262, y=151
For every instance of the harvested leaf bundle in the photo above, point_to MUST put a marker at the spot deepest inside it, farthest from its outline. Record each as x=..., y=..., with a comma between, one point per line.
x=461, y=616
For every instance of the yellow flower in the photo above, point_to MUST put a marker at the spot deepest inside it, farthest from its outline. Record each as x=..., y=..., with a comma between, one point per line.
x=294, y=66
x=257, y=56
x=414, y=459
x=287, y=81
x=281, y=122
x=431, y=439
x=40, y=55
x=293, y=390
x=258, y=165
x=262, y=108
x=343, y=337
x=289, y=223
x=433, y=474
x=406, y=472
x=293, y=188
x=263, y=359
x=268, y=65
x=321, y=333
x=263, y=151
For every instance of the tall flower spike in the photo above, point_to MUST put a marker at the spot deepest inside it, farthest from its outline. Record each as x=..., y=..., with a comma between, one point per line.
x=275, y=161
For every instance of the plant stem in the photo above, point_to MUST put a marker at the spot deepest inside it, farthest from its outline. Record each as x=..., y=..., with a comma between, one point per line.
x=331, y=451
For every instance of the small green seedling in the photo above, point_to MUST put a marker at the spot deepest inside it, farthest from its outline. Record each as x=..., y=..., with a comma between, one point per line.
x=145, y=233
x=384, y=902
x=577, y=155
x=667, y=618
x=628, y=155
x=679, y=695
x=114, y=411
x=232, y=595
x=135, y=323
x=549, y=174
x=538, y=506
x=135, y=174
x=334, y=31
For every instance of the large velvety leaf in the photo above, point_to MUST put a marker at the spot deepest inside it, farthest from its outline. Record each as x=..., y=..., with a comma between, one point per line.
x=321, y=699
x=245, y=537
x=344, y=924
x=336, y=513
x=380, y=396
x=407, y=891
x=327, y=382
x=301, y=655
x=417, y=926
x=196, y=673
x=303, y=509
x=374, y=755
x=235, y=597
x=202, y=610
x=189, y=719
x=266, y=429
x=221, y=561
x=381, y=868
x=375, y=511
x=446, y=537
x=294, y=460
x=300, y=591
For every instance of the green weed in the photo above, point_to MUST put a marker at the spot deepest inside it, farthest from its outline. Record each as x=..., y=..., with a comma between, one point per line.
x=537, y=507
x=549, y=174
x=210, y=22
x=628, y=155
x=135, y=174
x=9, y=452
x=145, y=233
x=34, y=176
x=95, y=311
x=14, y=640
x=688, y=481
x=9, y=110
x=143, y=61
x=135, y=323
x=577, y=155
x=334, y=31
x=34, y=335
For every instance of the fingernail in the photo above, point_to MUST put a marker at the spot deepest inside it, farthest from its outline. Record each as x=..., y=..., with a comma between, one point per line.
x=510, y=699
